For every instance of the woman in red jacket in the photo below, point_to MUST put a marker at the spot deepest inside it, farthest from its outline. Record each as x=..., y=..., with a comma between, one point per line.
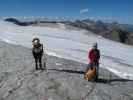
x=94, y=57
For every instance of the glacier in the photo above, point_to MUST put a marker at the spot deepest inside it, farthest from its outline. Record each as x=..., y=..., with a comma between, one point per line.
x=72, y=44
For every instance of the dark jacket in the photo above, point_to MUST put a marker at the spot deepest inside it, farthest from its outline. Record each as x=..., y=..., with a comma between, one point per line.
x=37, y=49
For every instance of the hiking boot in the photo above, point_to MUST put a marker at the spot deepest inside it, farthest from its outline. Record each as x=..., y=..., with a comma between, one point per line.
x=96, y=78
x=41, y=68
x=37, y=67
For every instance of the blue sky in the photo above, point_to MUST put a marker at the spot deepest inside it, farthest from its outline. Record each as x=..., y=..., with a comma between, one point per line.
x=116, y=10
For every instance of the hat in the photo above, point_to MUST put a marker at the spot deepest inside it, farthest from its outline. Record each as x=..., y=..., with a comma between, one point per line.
x=36, y=39
x=95, y=45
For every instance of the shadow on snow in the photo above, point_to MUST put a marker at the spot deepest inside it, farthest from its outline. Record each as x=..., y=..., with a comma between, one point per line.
x=100, y=80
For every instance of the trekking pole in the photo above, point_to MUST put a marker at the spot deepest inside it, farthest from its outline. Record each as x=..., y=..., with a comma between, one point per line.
x=45, y=57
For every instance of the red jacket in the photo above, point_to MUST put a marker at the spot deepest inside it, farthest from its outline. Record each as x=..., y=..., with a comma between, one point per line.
x=94, y=56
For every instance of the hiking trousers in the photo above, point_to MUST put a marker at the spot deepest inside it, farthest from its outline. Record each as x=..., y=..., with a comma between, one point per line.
x=38, y=59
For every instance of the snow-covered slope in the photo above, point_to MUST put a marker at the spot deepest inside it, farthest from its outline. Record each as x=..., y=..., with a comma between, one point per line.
x=72, y=44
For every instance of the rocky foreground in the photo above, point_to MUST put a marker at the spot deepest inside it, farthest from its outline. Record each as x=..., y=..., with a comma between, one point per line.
x=63, y=79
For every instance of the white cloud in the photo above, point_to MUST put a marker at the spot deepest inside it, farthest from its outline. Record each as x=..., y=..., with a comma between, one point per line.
x=84, y=10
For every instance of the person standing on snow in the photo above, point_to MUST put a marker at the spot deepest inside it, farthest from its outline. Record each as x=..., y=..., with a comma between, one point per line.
x=37, y=52
x=94, y=57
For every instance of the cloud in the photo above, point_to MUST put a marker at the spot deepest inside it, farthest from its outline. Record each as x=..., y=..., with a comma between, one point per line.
x=84, y=10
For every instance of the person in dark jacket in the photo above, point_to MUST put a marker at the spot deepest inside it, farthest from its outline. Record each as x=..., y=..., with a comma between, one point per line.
x=94, y=57
x=37, y=52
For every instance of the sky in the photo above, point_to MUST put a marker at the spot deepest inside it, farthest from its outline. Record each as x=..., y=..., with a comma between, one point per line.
x=107, y=10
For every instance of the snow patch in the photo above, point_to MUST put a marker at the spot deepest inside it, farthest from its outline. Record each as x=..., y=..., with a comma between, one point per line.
x=124, y=75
